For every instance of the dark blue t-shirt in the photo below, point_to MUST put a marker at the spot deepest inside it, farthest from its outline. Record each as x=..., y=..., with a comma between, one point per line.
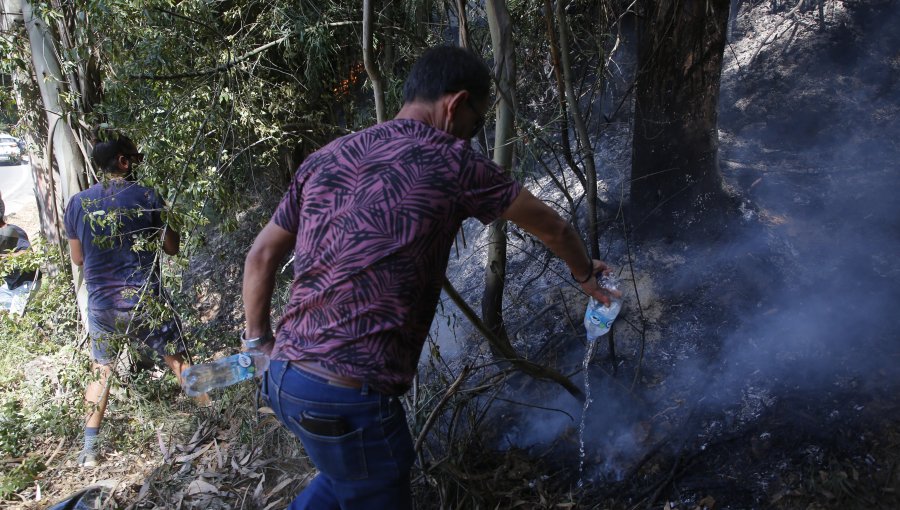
x=114, y=221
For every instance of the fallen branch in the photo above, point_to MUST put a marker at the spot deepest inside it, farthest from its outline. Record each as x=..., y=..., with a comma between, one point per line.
x=504, y=348
x=429, y=422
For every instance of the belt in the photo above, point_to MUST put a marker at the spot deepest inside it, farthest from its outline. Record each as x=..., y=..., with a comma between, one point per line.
x=316, y=368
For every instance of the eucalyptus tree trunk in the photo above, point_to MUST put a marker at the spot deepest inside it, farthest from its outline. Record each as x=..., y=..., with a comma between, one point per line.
x=505, y=72
x=581, y=132
x=47, y=68
x=561, y=93
x=63, y=147
x=463, y=23
x=25, y=92
x=422, y=17
x=370, y=62
x=676, y=185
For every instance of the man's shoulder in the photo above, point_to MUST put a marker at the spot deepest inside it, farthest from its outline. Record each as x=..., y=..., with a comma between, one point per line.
x=403, y=130
x=139, y=191
x=19, y=230
x=9, y=238
x=125, y=190
x=9, y=230
x=81, y=194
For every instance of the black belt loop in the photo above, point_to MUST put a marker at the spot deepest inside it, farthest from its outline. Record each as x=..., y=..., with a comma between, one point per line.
x=364, y=391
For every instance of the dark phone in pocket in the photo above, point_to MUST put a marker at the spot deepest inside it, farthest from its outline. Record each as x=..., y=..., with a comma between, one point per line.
x=322, y=426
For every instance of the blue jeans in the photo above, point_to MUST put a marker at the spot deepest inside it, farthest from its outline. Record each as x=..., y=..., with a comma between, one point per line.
x=361, y=443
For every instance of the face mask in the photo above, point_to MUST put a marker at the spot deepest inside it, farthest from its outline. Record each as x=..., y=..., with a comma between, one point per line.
x=480, y=120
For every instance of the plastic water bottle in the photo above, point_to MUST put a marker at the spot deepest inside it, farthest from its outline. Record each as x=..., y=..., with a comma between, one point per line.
x=598, y=318
x=200, y=379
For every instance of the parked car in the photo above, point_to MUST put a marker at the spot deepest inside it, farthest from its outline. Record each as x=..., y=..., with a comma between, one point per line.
x=10, y=152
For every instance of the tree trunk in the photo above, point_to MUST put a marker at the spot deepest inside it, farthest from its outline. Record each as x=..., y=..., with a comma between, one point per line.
x=422, y=18
x=25, y=91
x=505, y=72
x=63, y=148
x=463, y=23
x=561, y=93
x=370, y=62
x=584, y=140
x=676, y=186
x=66, y=153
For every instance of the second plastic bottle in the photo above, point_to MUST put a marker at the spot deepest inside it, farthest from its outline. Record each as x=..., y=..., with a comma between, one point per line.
x=200, y=379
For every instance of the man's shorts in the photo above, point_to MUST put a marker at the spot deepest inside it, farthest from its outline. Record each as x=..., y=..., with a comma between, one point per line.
x=109, y=329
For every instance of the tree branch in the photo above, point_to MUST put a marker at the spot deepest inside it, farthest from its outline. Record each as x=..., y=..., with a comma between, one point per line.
x=503, y=347
x=213, y=70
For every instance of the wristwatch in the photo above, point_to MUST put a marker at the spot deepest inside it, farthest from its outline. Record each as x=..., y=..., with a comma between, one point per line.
x=257, y=342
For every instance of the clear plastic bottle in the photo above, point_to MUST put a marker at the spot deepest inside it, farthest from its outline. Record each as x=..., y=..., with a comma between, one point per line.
x=598, y=318
x=200, y=379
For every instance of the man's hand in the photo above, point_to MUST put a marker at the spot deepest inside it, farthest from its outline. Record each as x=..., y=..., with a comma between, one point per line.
x=171, y=241
x=592, y=287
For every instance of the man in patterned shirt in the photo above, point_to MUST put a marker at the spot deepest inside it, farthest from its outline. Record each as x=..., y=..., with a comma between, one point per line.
x=371, y=218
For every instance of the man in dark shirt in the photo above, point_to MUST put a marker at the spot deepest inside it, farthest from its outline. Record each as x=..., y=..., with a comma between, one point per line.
x=371, y=219
x=16, y=283
x=113, y=228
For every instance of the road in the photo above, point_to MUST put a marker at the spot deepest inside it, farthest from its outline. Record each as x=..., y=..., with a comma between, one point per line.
x=17, y=188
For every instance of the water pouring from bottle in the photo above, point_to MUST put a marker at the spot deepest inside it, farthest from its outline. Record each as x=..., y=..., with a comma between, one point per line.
x=598, y=320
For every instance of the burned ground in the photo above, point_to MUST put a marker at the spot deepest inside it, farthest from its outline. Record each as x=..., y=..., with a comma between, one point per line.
x=758, y=370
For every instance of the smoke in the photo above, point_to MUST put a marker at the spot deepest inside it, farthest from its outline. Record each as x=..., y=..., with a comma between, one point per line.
x=613, y=434
x=802, y=298
x=827, y=190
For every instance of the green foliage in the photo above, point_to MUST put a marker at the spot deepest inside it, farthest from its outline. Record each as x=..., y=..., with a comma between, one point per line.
x=23, y=261
x=41, y=370
x=13, y=435
x=21, y=476
x=51, y=320
x=187, y=82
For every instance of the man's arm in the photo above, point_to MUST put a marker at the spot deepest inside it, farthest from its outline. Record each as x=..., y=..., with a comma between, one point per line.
x=540, y=220
x=268, y=250
x=75, y=252
x=171, y=241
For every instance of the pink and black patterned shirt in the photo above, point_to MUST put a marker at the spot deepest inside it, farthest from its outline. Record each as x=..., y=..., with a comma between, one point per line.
x=375, y=214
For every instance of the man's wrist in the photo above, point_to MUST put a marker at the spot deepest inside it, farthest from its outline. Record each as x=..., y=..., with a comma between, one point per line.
x=587, y=278
x=256, y=341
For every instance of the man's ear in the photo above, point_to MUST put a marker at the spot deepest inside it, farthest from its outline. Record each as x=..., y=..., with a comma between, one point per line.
x=455, y=100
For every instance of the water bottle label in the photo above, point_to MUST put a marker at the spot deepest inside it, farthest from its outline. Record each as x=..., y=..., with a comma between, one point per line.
x=244, y=360
x=599, y=321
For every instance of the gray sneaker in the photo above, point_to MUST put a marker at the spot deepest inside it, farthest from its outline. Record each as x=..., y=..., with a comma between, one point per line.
x=87, y=459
